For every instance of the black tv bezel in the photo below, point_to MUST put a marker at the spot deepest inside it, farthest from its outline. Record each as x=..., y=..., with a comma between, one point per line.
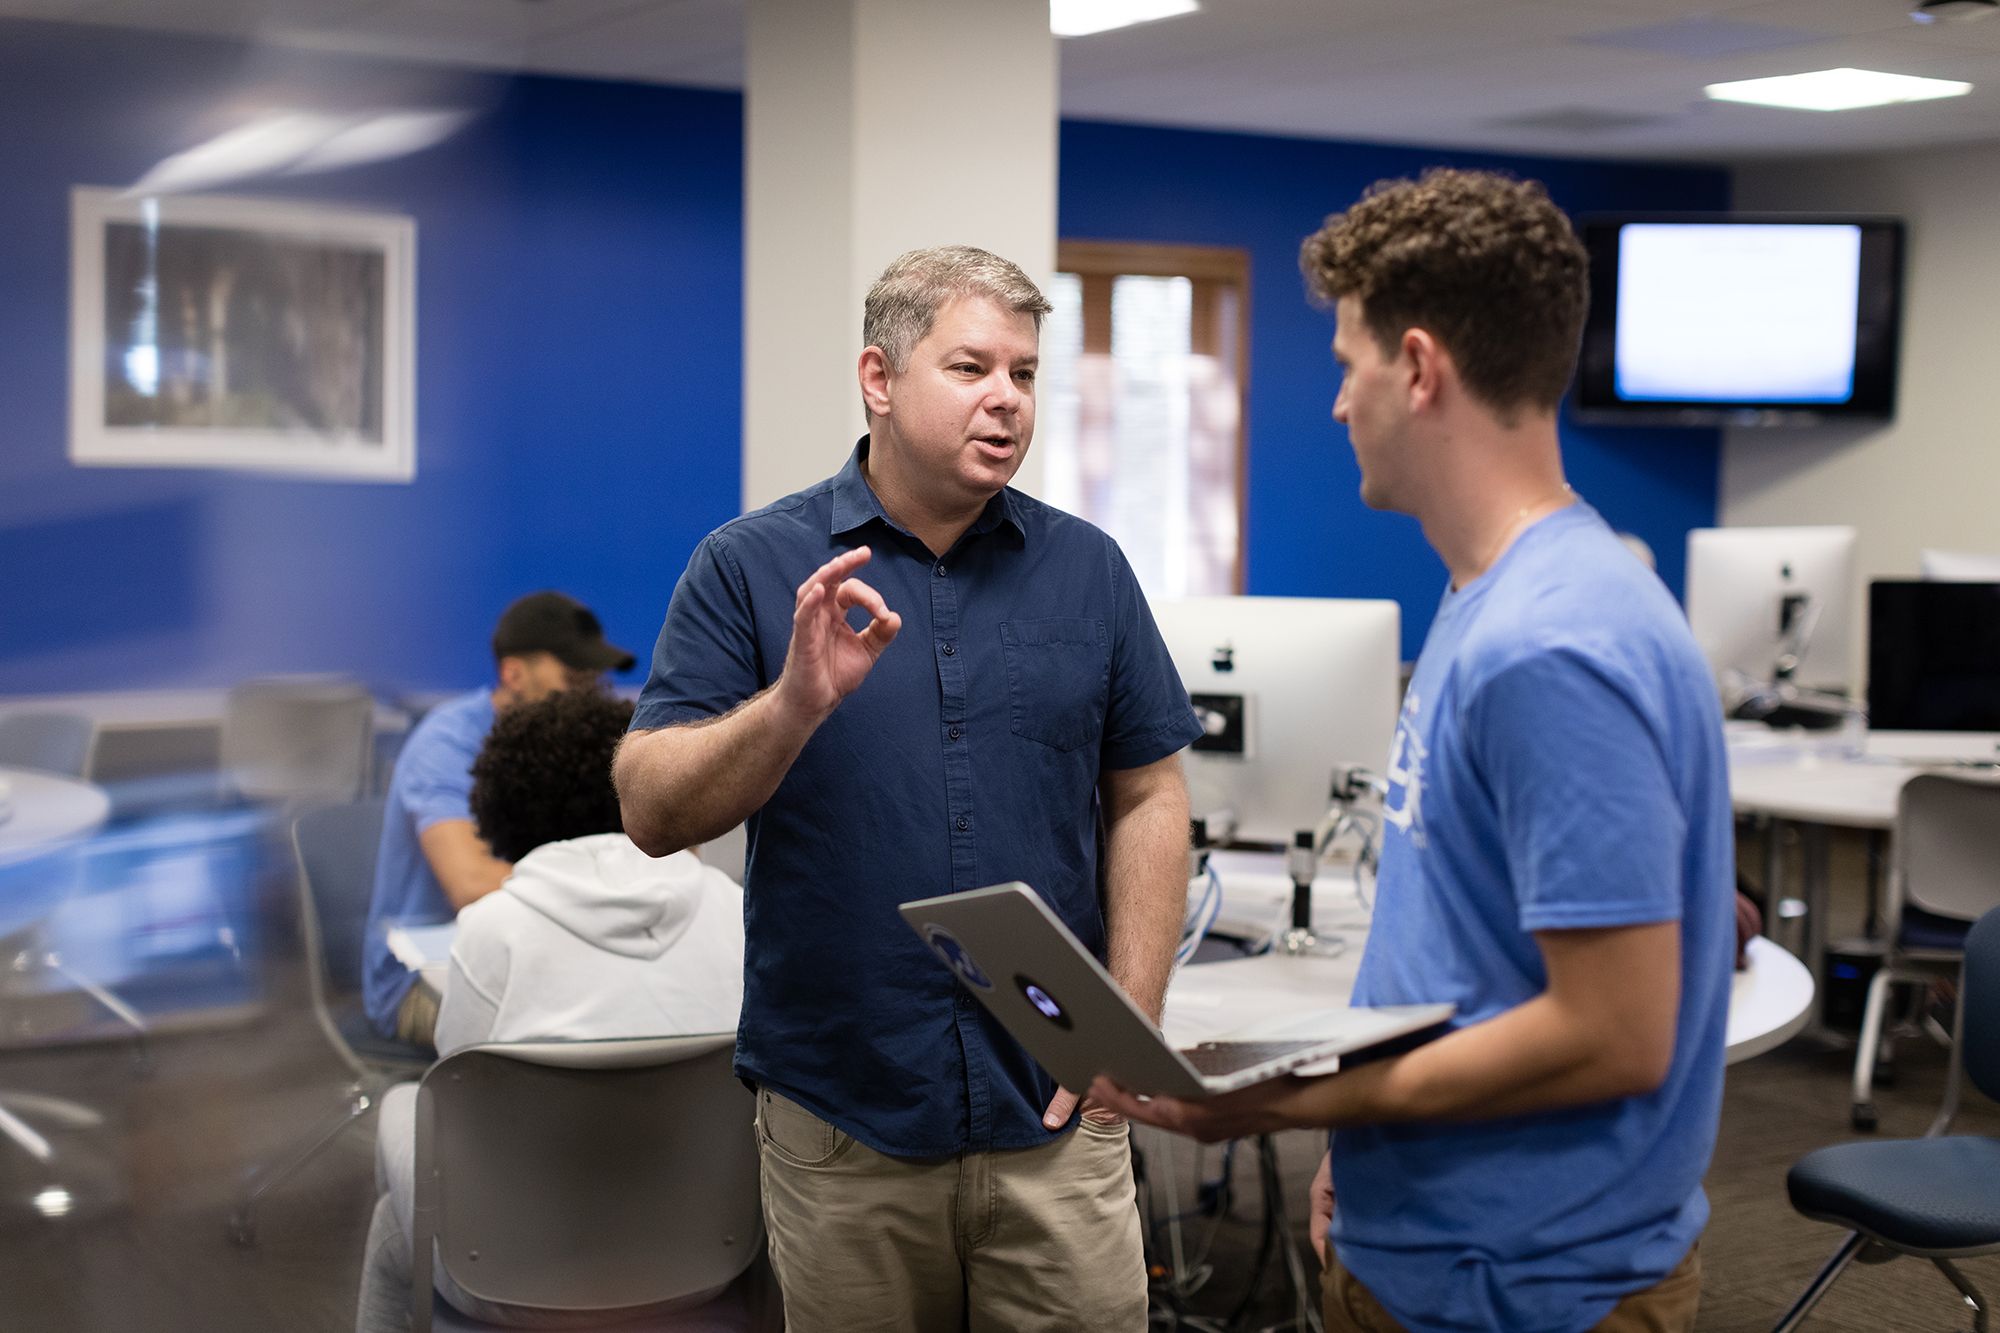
x=1878, y=330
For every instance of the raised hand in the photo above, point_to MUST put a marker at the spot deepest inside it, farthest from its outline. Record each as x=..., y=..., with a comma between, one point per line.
x=828, y=659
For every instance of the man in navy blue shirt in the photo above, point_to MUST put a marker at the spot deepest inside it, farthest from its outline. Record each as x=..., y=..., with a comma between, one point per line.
x=1558, y=857
x=994, y=703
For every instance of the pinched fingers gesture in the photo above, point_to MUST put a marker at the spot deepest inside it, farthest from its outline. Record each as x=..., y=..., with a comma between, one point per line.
x=828, y=658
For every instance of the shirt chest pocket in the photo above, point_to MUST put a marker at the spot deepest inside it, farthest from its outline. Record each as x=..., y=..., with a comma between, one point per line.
x=1058, y=677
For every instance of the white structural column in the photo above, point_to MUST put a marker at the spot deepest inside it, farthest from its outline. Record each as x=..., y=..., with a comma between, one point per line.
x=874, y=127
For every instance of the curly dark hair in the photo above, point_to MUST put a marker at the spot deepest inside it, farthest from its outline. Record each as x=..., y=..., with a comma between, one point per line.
x=1487, y=264
x=544, y=773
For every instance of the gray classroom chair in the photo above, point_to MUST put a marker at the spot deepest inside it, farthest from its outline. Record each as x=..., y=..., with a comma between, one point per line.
x=614, y=1178
x=1946, y=875
x=1937, y=1197
x=335, y=846
x=302, y=739
x=51, y=742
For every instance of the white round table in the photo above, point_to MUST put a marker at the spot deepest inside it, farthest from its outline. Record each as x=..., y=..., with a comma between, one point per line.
x=1250, y=999
x=45, y=811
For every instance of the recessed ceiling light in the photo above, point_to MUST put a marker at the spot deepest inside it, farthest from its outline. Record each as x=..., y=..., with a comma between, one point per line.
x=1080, y=18
x=1836, y=90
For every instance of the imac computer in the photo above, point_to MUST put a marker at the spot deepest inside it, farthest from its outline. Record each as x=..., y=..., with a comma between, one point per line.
x=1960, y=566
x=1288, y=689
x=1934, y=671
x=1772, y=605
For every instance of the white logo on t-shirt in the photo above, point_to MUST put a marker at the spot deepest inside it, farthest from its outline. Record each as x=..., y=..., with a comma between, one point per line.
x=1406, y=775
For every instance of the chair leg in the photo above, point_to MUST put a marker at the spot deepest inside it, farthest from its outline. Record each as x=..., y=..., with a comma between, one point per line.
x=141, y=1048
x=1862, y=1102
x=1966, y=1290
x=1827, y=1273
x=17, y=1129
x=243, y=1218
x=1955, y=1074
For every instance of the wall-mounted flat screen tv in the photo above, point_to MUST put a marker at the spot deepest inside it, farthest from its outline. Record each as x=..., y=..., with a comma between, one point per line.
x=1740, y=319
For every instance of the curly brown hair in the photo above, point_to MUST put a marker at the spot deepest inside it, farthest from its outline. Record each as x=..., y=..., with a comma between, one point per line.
x=544, y=774
x=1487, y=264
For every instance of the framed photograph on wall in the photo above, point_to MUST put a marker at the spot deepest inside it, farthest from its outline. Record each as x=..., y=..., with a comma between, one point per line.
x=242, y=333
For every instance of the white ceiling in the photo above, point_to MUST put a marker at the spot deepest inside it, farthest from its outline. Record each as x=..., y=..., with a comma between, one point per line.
x=1598, y=78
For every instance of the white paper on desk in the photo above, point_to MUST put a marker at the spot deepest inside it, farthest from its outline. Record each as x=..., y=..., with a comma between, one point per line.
x=418, y=947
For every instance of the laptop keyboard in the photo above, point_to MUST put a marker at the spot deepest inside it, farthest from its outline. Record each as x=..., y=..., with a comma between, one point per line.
x=1227, y=1057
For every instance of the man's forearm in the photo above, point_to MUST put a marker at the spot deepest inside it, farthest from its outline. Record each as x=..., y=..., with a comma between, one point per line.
x=1530, y=1059
x=686, y=784
x=1146, y=890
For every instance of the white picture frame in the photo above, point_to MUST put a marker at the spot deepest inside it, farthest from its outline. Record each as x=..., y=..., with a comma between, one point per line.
x=253, y=334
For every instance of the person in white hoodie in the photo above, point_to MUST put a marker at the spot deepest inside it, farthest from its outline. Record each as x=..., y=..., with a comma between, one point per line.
x=588, y=938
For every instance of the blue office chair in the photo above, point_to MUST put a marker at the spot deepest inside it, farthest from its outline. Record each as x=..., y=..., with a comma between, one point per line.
x=1937, y=1197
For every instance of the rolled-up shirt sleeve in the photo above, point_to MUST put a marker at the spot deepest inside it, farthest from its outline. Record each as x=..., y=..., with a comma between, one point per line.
x=707, y=659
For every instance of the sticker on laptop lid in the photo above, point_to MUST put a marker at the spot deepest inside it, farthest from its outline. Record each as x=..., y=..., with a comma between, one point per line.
x=946, y=946
x=1045, y=1003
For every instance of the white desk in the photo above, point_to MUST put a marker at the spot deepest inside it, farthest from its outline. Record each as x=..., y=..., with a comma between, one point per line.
x=46, y=811
x=151, y=710
x=148, y=741
x=1769, y=1001
x=1817, y=787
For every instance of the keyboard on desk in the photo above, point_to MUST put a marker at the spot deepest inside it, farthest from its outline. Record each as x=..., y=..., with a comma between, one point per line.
x=1216, y=1058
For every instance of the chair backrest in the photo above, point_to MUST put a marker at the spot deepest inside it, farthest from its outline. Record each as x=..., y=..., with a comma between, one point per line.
x=298, y=738
x=52, y=742
x=586, y=1176
x=1979, y=1021
x=1948, y=844
x=336, y=847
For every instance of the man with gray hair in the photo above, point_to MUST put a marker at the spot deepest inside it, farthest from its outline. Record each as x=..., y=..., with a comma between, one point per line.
x=919, y=1171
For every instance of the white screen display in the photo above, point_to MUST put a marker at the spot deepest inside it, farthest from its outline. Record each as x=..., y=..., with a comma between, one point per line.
x=1711, y=312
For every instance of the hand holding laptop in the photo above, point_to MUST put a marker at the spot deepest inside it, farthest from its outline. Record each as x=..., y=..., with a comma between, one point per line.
x=1032, y=974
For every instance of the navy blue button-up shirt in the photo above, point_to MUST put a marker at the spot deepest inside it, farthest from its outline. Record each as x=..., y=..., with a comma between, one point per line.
x=1027, y=663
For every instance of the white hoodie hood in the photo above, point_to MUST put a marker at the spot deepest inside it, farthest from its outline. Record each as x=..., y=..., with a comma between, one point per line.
x=606, y=892
x=593, y=938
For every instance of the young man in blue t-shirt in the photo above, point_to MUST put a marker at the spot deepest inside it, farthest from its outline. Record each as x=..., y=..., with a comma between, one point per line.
x=431, y=861
x=1557, y=856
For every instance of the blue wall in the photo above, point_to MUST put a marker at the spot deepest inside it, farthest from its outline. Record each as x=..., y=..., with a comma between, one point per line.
x=1308, y=532
x=579, y=333
x=579, y=322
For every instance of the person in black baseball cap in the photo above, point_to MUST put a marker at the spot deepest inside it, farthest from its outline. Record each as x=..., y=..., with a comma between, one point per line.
x=432, y=861
x=548, y=641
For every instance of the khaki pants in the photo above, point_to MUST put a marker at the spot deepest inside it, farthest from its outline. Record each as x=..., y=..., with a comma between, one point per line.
x=417, y=1015
x=1033, y=1238
x=1668, y=1306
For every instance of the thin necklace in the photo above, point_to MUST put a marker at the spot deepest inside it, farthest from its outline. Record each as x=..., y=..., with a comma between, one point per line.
x=1514, y=522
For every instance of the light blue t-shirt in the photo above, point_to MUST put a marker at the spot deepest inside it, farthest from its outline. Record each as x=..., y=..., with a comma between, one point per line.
x=433, y=783
x=1558, y=764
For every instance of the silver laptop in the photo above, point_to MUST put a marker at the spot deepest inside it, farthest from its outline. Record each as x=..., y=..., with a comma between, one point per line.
x=1032, y=974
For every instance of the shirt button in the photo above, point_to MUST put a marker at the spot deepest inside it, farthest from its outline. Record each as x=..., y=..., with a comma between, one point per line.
x=950, y=650
x=954, y=733
x=940, y=571
x=963, y=823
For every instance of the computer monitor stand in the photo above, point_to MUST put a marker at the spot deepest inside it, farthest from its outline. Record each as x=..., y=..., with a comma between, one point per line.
x=1302, y=864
